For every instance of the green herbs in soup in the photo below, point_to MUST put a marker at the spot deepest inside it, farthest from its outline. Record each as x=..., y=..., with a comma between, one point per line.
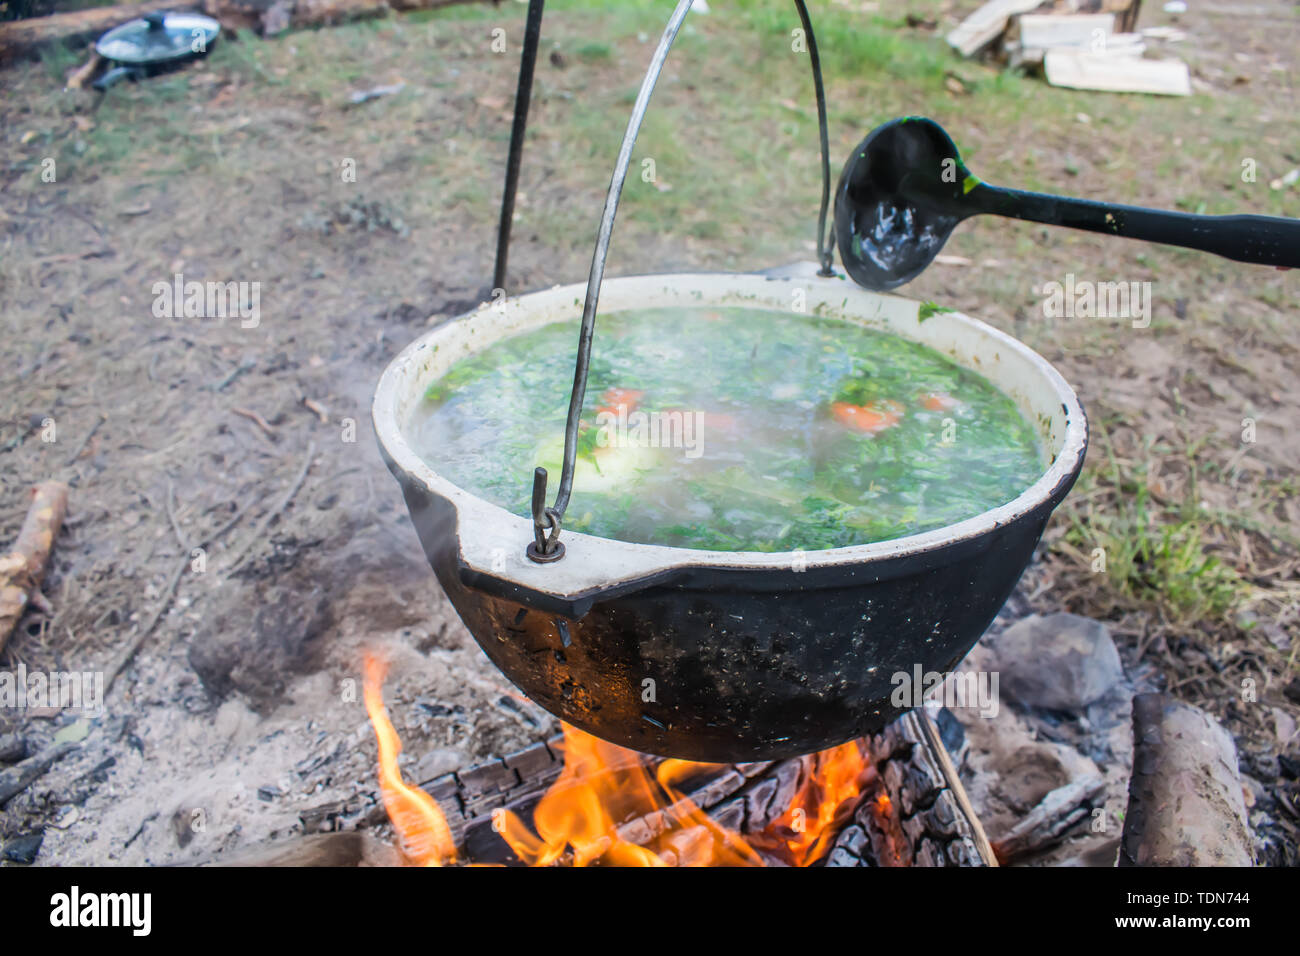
x=732, y=429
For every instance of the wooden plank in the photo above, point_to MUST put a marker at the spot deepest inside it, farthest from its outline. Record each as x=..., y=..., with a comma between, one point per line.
x=1039, y=30
x=986, y=24
x=1117, y=44
x=1116, y=74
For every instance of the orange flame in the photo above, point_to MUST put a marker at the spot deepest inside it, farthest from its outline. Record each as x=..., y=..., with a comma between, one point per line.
x=607, y=809
x=422, y=829
x=811, y=822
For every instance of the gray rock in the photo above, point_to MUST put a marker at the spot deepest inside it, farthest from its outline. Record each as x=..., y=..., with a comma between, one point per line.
x=23, y=849
x=12, y=748
x=1059, y=662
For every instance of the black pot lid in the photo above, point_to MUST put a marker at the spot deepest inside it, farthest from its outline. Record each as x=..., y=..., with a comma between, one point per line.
x=159, y=37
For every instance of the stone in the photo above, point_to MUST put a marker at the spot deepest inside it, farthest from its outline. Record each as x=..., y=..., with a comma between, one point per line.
x=12, y=748
x=1058, y=662
x=23, y=849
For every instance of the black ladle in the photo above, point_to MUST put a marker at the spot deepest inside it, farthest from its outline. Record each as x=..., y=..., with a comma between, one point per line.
x=905, y=188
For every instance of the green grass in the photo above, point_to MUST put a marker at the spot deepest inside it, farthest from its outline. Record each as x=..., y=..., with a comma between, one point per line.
x=58, y=59
x=1156, y=554
x=592, y=52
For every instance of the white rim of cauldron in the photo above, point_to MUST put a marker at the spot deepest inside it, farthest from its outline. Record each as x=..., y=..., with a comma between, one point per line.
x=492, y=540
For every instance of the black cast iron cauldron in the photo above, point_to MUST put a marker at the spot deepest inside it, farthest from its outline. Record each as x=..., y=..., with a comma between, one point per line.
x=727, y=656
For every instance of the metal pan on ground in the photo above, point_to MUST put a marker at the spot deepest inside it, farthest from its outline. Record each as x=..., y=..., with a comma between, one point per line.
x=154, y=44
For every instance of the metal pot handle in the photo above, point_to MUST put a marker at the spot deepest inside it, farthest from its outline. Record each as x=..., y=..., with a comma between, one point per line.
x=545, y=546
x=116, y=74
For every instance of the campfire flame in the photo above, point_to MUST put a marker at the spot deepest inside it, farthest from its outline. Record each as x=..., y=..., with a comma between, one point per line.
x=422, y=829
x=578, y=819
x=815, y=815
x=607, y=808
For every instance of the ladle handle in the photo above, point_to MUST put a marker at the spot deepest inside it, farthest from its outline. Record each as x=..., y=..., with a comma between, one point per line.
x=1264, y=240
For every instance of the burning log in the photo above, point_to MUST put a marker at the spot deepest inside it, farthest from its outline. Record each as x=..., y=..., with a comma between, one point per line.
x=904, y=813
x=23, y=568
x=922, y=815
x=480, y=801
x=1186, y=806
x=579, y=800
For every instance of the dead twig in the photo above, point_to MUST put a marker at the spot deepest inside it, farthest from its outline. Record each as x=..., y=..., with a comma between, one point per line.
x=318, y=408
x=15, y=781
x=85, y=73
x=238, y=371
x=257, y=420
x=171, y=516
x=86, y=441
x=950, y=776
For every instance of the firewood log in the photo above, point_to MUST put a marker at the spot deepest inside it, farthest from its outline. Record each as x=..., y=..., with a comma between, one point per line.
x=1185, y=805
x=26, y=37
x=23, y=568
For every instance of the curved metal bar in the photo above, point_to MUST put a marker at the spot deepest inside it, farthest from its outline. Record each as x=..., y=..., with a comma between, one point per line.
x=523, y=96
x=546, y=547
x=579, y=393
x=825, y=247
